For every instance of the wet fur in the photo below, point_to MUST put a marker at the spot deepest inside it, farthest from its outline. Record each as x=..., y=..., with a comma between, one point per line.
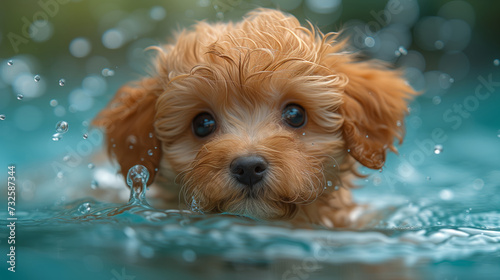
x=244, y=74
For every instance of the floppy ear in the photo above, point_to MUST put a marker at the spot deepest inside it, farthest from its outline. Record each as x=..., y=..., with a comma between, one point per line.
x=375, y=103
x=128, y=121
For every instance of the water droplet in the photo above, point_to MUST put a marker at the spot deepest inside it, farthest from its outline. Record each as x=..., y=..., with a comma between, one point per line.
x=137, y=178
x=56, y=137
x=329, y=183
x=94, y=185
x=53, y=103
x=369, y=42
x=10, y=62
x=436, y=100
x=438, y=149
x=428, y=178
x=62, y=127
x=37, y=78
x=106, y=72
x=62, y=82
x=84, y=209
x=150, y=152
x=85, y=136
x=496, y=62
x=2, y=117
x=20, y=97
x=66, y=157
x=439, y=44
x=91, y=166
x=402, y=50
x=398, y=123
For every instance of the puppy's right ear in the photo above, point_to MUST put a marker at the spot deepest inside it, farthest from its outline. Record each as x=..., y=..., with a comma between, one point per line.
x=128, y=122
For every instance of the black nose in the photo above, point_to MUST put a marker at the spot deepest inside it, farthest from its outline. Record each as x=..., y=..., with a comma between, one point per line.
x=249, y=170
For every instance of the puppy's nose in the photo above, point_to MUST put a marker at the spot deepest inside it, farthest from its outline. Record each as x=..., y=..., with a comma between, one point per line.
x=249, y=170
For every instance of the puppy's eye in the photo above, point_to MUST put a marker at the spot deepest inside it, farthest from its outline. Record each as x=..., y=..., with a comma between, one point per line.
x=203, y=124
x=294, y=115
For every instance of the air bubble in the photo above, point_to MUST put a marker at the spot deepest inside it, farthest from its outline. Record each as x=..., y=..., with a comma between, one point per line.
x=151, y=135
x=62, y=82
x=337, y=188
x=366, y=136
x=20, y=97
x=438, y=149
x=85, y=136
x=37, y=78
x=303, y=134
x=329, y=183
x=60, y=175
x=498, y=132
x=150, y=152
x=62, y=127
x=496, y=62
x=348, y=150
x=53, y=103
x=10, y=63
x=2, y=117
x=137, y=178
x=428, y=178
x=66, y=158
x=94, y=185
x=56, y=137
x=84, y=209
x=91, y=166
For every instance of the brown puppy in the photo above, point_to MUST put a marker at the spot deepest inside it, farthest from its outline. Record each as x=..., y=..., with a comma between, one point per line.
x=263, y=118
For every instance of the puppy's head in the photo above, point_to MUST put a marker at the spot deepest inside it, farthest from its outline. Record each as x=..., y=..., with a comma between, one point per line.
x=257, y=118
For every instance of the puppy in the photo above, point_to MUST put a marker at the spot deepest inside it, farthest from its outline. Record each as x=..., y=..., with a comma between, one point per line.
x=261, y=118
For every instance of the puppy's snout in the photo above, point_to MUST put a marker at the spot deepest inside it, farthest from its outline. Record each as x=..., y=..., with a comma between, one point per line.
x=249, y=170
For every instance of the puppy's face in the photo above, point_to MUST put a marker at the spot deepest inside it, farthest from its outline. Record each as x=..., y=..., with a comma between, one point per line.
x=257, y=118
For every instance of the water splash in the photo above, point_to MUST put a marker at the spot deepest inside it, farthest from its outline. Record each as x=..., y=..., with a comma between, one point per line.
x=85, y=208
x=56, y=137
x=438, y=149
x=137, y=178
x=62, y=127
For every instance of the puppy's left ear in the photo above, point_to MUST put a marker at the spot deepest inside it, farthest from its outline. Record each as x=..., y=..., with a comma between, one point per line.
x=128, y=121
x=375, y=104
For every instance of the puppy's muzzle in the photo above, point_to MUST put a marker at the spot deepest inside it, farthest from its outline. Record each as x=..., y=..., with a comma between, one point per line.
x=249, y=170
